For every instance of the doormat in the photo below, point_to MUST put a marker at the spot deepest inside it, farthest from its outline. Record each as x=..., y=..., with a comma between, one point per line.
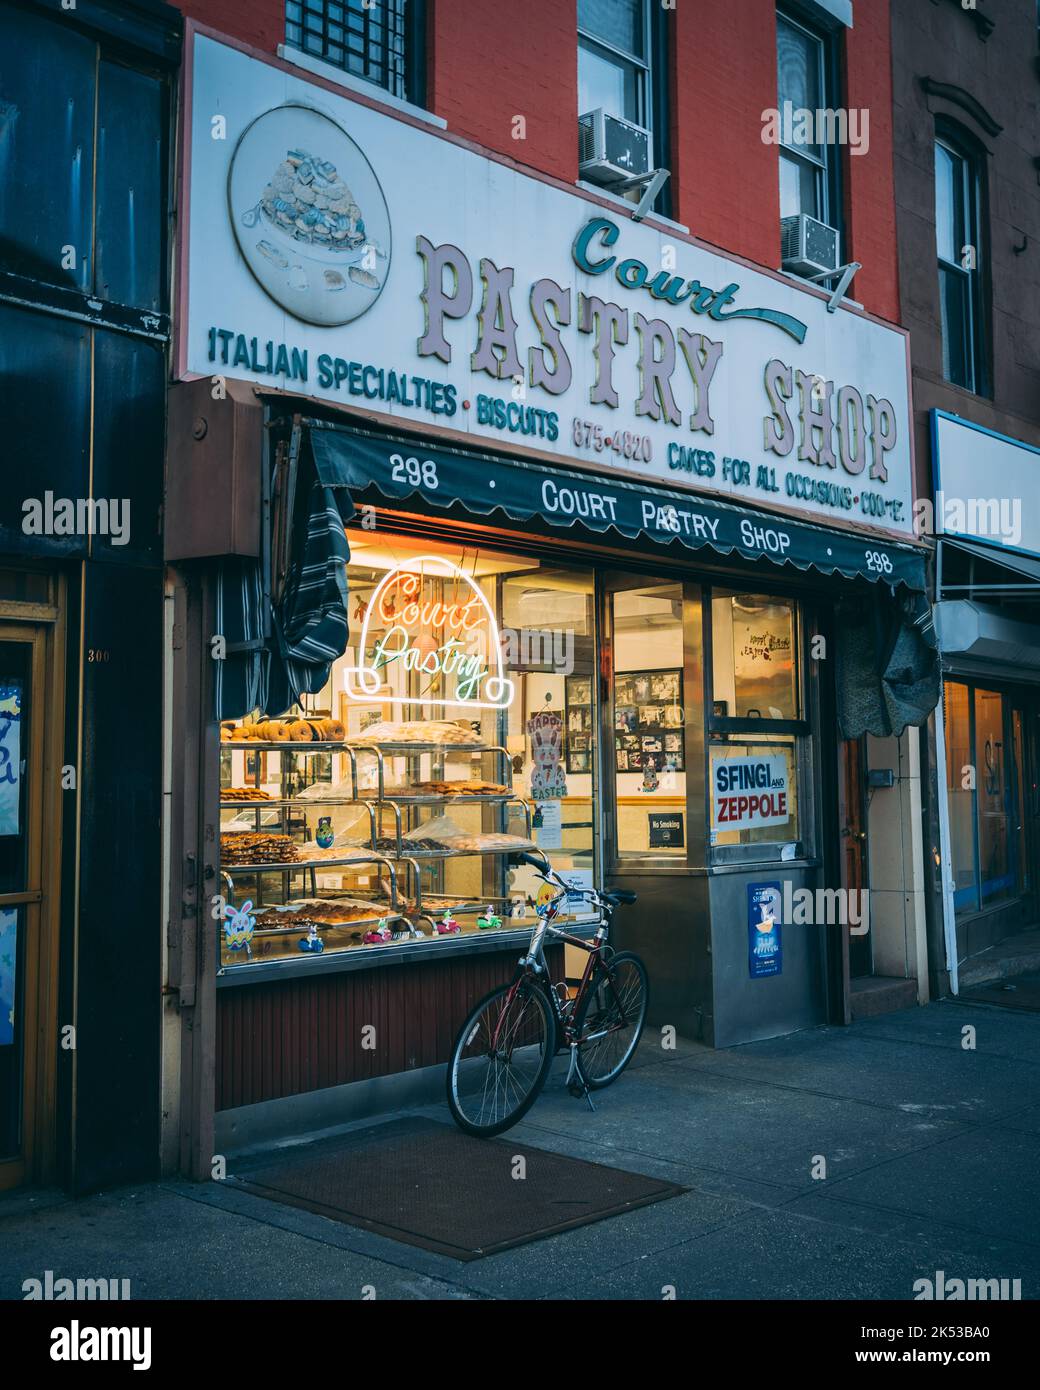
x=1020, y=992
x=430, y=1185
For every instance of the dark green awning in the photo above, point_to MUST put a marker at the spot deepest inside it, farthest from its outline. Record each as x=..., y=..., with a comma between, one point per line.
x=484, y=483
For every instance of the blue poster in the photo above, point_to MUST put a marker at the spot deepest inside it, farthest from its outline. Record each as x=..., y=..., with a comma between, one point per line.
x=10, y=756
x=765, y=949
x=8, y=972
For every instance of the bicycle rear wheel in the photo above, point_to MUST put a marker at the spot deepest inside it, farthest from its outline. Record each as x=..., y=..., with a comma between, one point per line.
x=610, y=1019
x=500, y=1059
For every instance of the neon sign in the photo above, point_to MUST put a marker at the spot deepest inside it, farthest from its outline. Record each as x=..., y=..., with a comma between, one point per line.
x=454, y=639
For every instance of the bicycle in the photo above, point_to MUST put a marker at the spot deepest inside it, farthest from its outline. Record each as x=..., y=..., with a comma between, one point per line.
x=504, y=1050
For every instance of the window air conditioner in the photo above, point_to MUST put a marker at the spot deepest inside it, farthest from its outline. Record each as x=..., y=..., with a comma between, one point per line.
x=611, y=150
x=808, y=247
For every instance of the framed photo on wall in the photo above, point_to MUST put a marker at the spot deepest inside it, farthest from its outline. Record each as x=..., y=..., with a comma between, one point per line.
x=648, y=720
x=577, y=723
x=357, y=716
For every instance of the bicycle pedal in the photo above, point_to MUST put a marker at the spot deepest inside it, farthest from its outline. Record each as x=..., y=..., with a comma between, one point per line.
x=575, y=1090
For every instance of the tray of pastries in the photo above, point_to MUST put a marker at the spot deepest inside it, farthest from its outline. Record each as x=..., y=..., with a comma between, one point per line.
x=387, y=844
x=301, y=914
x=254, y=847
x=244, y=794
x=284, y=731
x=429, y=731
x=487, y=843
x=459, y=787
x=355, y=852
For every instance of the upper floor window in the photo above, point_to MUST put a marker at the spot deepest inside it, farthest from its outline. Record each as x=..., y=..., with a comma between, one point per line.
x=623, y=48
x=806, y=82
x=614, y=58
x=957, y=201
x=381, y=43
x=96, y=224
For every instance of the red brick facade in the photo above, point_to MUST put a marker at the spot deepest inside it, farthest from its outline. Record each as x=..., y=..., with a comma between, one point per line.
x=488, y=65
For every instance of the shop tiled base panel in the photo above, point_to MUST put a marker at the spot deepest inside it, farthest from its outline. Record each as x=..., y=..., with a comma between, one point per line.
x=284, y=1038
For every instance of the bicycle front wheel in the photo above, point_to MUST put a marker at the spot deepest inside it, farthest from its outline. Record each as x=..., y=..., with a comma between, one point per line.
x=501, y=1058
x=610, y=1019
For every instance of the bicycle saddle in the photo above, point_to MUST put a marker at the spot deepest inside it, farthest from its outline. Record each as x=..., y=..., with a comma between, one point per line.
x=619, y=895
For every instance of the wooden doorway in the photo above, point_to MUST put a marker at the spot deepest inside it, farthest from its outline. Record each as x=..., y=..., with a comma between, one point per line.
x=852, y=822
x=30, y=791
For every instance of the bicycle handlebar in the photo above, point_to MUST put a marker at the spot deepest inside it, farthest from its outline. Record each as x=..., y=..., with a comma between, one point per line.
x=547, y=872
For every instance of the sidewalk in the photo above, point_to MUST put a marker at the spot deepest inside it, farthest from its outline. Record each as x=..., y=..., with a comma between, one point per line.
x=1018, y=954
x=932, y=1153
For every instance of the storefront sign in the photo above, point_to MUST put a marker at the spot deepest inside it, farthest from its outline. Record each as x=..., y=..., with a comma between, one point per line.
x=548, y=779
x=547, y=824
x=452, y=641
x=749, y=792
x=765, y=947
x=347, y=255
x=666, y=830
x=579, y=882
x=986, y=486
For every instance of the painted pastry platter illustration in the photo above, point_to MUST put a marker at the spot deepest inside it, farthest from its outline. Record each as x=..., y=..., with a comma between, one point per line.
x=309, y=215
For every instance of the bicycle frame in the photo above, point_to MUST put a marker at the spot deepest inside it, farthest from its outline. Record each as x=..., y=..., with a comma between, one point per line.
x=509, y=1036
x=532, y=967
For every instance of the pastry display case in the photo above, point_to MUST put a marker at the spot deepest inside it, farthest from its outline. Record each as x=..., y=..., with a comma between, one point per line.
x=332, y=844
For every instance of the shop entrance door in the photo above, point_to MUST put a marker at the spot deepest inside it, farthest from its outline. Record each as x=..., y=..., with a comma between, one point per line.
x=652, y=701
x=1025, y=798
x=22, y=986
x=852, y=822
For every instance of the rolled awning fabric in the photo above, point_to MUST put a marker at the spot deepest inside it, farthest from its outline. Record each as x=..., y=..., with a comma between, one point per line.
x=888, y=673
x=308, y=626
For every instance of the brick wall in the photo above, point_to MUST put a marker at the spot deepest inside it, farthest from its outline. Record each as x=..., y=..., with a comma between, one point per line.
x=495, y=77
x=725, y=179
x=258, y=22
x=868, y=178
x=999, y=73
x=487, y=67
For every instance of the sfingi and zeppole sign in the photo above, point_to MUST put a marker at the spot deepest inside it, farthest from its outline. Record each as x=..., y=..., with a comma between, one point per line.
x=354, y=257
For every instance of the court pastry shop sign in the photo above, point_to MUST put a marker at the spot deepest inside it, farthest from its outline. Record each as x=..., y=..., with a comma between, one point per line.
x=344, y=254
x=430, y=629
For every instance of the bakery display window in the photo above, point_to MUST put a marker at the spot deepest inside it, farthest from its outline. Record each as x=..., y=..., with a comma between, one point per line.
x=652, y=701
x=759, y=749
x=456, y=729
